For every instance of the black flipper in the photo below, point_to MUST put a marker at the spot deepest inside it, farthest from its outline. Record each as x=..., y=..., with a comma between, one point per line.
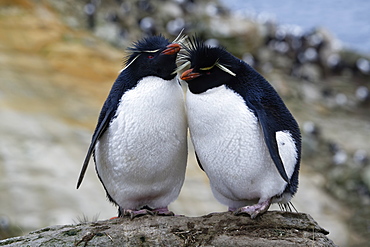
x=98, y=132
x=270, y=139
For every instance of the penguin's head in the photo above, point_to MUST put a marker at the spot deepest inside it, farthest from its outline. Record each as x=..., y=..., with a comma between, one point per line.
x=153, y=56
x=209, y=66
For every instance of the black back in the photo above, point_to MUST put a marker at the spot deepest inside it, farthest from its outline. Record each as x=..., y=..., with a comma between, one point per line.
x=272, y=114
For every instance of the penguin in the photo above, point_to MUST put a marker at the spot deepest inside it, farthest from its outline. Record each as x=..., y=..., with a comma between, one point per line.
x=140, y=141
x=245, y=138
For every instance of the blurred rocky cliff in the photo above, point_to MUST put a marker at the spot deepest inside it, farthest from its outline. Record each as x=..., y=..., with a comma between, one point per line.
x=58, y=60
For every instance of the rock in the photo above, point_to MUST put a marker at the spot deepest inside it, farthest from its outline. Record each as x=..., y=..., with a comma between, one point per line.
x=55, y=76
x=219, y=229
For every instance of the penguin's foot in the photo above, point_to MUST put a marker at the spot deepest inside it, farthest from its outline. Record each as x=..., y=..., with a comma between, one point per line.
x=136, y=213
x=163, y=212
x=253, y=210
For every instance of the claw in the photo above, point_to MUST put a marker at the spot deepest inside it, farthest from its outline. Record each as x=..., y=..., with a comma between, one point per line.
x=132, y=213
x=163, y=212
x=232, y=209
x=136, y=213
x=254, y=210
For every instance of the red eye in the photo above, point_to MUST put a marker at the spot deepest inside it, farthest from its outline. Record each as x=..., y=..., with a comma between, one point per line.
x=150, y=56
x=208, y=72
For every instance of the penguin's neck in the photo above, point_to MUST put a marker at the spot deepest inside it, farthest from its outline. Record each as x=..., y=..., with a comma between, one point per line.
x=150, y=92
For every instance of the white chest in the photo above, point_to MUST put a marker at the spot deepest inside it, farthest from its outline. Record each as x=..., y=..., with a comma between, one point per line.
x=141, y=158
x=230, y=145
x=223, y=128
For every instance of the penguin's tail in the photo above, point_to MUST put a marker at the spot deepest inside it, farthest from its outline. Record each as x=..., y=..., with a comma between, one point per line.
x=287, y=207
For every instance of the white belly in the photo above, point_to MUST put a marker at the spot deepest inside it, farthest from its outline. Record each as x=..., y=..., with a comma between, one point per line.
x=141, y=158
x=230, y=145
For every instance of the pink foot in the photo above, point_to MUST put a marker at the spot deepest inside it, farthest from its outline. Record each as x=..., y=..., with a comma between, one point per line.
x=136, y=213
x=253, y=210
x=163, y=212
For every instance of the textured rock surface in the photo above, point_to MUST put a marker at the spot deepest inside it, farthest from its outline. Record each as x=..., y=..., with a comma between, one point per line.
x=55, y=75
x=222, y=229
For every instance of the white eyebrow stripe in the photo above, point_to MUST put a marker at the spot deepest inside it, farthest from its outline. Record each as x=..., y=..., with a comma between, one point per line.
x=225, y=69
x=181, y=67
x=129, y=63
x=179, y=38
x=153, y=51
x=208, y=68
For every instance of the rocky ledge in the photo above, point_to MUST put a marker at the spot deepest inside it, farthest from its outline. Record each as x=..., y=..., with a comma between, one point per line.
x=218, y=229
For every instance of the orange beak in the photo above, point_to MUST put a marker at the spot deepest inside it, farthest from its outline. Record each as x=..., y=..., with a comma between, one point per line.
x=172, y=49
x=189, y=75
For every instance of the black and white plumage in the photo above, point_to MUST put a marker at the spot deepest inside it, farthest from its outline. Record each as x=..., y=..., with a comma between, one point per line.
x=140, y=141
x=245, y=138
